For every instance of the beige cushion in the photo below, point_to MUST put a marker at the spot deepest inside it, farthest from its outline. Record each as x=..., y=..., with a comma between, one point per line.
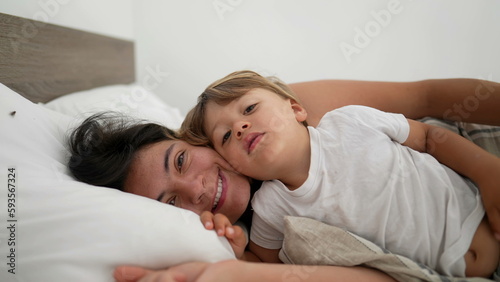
x=312, y=242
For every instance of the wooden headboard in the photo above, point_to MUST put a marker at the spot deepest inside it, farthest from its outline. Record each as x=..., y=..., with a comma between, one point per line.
x=44, y=61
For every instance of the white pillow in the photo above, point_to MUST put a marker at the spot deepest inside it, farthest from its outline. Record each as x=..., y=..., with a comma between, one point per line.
x=64, y=230
x=132, y=99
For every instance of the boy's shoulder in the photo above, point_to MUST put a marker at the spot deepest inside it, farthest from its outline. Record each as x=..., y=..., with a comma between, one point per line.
x=347, y=113
x=352, y=109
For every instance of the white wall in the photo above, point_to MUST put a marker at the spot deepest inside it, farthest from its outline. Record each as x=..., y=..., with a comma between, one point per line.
x=191, y=43
x=186, y=44
x=107, y=17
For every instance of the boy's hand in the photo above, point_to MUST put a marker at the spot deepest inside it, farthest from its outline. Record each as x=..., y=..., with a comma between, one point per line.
x=490, y=193
x=221, y=224
x=491, y=201
x=494, y=220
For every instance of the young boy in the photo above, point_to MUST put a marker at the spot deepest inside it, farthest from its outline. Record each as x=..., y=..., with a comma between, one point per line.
x=360, y=169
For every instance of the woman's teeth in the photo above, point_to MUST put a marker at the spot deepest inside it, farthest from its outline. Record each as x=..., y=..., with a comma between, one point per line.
x=219, y=192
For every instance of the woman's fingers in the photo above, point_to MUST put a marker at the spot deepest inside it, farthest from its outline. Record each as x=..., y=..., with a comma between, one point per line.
x=186, y=272
x=130, y=273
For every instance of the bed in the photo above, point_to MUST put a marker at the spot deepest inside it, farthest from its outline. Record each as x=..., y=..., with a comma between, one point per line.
x=57, y=229
x=53, y=227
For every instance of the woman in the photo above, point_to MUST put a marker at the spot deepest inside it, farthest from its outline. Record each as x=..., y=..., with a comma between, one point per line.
x=189, y=177
x=468, y=100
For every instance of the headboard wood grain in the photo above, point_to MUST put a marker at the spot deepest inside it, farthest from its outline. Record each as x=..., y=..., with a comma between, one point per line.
x=43, y=61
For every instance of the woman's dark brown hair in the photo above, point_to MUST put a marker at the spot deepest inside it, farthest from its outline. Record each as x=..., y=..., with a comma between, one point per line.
x=103, y=147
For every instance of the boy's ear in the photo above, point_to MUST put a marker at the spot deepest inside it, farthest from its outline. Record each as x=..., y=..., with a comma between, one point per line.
x=299, y=111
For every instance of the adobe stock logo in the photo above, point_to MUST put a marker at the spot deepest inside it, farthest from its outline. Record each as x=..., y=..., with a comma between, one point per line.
x=222, y=7
x=471, y=103
x=48, y=9
x=363, y=37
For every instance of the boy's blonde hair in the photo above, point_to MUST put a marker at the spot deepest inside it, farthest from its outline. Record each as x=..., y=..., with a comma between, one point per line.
x=222, y=92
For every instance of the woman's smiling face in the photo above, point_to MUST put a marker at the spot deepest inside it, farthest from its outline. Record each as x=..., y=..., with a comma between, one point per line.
x=190, y=177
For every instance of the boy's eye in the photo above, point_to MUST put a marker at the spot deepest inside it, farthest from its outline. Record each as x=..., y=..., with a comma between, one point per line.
x=180, y=161
x=225, y=137
x=249, y=108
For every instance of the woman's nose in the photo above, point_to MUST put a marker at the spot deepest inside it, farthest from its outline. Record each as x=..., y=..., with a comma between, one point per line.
x=193, y=191
x=241, y=127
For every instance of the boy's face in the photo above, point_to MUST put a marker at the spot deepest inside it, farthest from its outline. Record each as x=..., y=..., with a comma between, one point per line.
x=256, y=133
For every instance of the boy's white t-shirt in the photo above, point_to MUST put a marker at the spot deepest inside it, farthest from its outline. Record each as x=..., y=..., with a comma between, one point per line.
x=362, y=179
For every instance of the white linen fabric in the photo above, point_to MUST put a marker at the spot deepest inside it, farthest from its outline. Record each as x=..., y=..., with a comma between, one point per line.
x=132, y=99
x=55, y=228
x=363, y=180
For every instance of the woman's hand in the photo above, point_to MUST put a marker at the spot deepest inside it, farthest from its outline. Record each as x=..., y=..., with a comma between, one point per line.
x=233, y=233
x=236, y=270
x=181, y=273
x=222, y=271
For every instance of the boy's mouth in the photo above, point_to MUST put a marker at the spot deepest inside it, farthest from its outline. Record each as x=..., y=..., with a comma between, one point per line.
x=252, y=140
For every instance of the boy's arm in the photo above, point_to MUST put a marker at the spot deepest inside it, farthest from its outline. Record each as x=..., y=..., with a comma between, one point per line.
x=465, y=158
x=263, y=254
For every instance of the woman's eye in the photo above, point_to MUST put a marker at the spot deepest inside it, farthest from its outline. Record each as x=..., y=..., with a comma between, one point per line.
x=171, y=201
x=225, y=137
x=180, y=161
x=250, y=108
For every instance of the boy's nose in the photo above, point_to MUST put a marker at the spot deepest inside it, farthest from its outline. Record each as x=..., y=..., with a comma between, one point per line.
x=242, y=126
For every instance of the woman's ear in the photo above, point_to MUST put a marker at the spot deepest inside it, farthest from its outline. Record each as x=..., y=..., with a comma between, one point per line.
x=299, y=111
